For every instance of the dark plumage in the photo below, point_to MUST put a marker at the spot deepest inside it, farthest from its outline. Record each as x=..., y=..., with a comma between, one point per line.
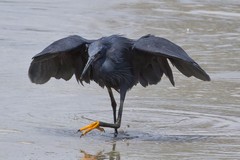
x=113, y=62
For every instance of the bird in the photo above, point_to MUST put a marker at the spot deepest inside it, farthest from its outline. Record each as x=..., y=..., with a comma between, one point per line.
x=114, y=62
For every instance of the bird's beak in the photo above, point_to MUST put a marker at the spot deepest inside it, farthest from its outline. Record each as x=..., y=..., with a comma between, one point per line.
x=89, y=62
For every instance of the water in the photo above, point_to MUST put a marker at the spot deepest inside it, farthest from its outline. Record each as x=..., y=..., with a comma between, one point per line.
x=194, y=120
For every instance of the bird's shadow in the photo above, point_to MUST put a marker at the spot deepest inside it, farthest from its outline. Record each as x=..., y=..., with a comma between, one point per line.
x=143, y=136
x=124, y=135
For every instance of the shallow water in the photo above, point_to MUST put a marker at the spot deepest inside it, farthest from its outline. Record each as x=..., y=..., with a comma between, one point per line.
x=194, y=120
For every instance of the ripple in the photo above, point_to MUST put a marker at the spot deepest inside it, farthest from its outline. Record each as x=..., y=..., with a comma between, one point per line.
x=160, y=124
x=186, y=121
x=226, y=75
x=216, y=13
x=7, y=131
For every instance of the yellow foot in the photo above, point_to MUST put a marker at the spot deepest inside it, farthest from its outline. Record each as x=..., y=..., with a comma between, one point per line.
x=90, y=127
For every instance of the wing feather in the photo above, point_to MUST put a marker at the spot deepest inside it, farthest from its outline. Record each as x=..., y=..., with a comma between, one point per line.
x=152, y=47
x=61, y=59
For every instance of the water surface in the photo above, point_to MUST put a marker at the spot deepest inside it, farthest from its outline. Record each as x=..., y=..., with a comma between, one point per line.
x=194, y=120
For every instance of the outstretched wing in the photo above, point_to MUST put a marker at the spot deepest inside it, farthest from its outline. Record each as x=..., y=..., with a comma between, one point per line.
x=151, y=54
x=61, y=59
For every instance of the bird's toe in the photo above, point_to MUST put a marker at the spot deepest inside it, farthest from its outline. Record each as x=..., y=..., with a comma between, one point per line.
x=90, y=127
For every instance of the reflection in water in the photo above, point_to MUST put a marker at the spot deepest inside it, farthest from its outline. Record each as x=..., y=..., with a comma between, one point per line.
x=112, y=155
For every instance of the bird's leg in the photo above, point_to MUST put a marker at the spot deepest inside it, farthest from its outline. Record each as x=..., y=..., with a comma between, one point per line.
x=99, y=124
x=120, y=110
x=114, y=105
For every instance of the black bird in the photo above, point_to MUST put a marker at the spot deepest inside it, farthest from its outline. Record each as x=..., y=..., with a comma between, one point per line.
x=114, y=62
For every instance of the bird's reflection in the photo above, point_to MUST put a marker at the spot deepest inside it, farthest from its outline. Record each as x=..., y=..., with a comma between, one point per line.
x=112, y=155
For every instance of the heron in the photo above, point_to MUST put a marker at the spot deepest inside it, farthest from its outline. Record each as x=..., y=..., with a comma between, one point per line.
x=115, y=62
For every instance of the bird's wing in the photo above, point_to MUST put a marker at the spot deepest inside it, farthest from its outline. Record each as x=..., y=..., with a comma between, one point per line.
x=153, y=53
x=61, y=59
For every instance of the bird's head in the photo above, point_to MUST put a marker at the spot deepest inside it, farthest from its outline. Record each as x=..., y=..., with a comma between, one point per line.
x=96, y=50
